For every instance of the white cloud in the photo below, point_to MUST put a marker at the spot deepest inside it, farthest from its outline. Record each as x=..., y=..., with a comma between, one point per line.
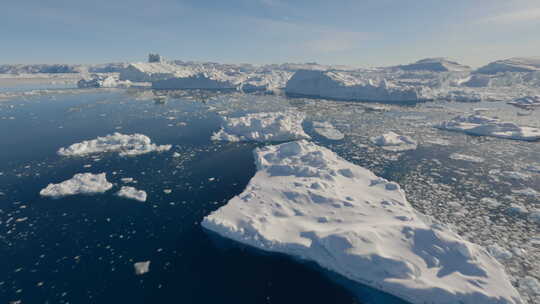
x=514, y=17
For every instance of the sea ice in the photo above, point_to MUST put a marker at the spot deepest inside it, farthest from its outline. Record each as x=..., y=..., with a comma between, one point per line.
x=482, y=125
x=527, y=102
x=470, y=158
x=308, y=202
x=81, y=183
x=394, y=142
x=103, y=81
x=327, y=130
x=141, y=267
x=262, y=127
x=125, y=145
x=132, y=193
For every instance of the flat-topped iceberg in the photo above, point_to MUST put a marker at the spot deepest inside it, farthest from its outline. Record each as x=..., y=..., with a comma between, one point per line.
x=132, y=193
x=125, y=145
x=81, y=183
x=308, y=202
x=394, y=142
x=347, y=86
x=487, y=126
x=327, y=130
x=262, y=127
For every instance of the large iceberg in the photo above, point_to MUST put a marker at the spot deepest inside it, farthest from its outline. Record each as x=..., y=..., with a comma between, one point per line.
x=125, y=145
x=487, y=126
x=262, y=127
x=307, y=202
x=347, y=86
x=516, y=64
x=81, y=183
x=435, y=65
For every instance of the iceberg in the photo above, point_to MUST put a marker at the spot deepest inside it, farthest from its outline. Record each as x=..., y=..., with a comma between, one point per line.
x=208, y=81
x=327, y=130
x=307, y=202
x=81, y=183
x=527, y=102
x=103, y=81
x=132, y=193
x=394, y=142
x=435, y=65
x=516, y=64
x=486, y=126
x=343, y=85
x=141, y=267
x=262, y=127
x=125, y=145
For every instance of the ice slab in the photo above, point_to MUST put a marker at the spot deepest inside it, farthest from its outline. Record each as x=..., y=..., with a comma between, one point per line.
x=132, y=193
x=394, y=142
x=141, y=267
x=262, y=127
x=308, y=202
x=327, y=130
x=486, y=126
x=125, y=145
x=81, y=183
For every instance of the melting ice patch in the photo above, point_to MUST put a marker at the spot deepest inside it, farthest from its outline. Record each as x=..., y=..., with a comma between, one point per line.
x=132, y=193
x=482, y=125
x=81, y=183
x=262, y=127
x=125, y=145
x=308, y=202
x=141, y=267
x=327, y=130
x=394, y=142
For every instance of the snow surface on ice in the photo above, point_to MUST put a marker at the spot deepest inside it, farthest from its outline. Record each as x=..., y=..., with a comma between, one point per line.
x=516, y=64
x=132, y=193
x=308, y=202
x=262, y=127
x=81, y=183
x=394, y=142
x=435, y=65
x=103, y=81
x=482, y=125
x=327, y=130
x=125, y=145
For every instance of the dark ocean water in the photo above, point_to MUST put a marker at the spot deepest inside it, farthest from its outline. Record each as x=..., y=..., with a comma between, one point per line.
x=81, y=249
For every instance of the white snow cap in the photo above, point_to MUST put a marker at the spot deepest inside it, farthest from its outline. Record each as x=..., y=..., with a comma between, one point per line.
x=81, y=183
x=141, y=267
x=394, y=142
x=482, y=125
x=308, y=202
x=125, y=145
x=262, y=127
x=132, y=193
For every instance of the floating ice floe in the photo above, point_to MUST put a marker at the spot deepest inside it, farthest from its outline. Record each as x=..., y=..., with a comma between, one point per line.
x=394, y=142
x=262, y=127
x=125, y=145
x=469, y=158
x=327, y=130
x=141, y=267
x=499, y=252
x=486, y=126
x=308, y=202
x=103, y=81
x=81, y=183
x=527, y=102
x=132, y=193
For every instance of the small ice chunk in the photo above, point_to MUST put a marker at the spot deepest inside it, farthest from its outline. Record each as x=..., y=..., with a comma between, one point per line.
x=469, y=158
x=141, y=267
x=394, y=142
x=327, y=130
x=81, y=183
x=132, y=193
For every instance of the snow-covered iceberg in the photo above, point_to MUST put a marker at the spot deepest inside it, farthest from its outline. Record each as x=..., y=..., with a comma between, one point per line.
x=487, y=126
x=327, y=130
x=307, y=202
x=392, y=141
x=516, y=64
x=103, y=81
x=435, y=65
x=132, y=193
x=208, y=81
x=125, y=145
x=81, y=183
x=347, y=86
x=262, y=127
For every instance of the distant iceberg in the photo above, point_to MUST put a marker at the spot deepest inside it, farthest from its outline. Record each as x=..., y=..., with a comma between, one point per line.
x=307, y=202
x=262, y=127
x=103, y=81
x=125, y=145
x=81, y=183
x=516, y=64
x=486, y=126
x=435, y=65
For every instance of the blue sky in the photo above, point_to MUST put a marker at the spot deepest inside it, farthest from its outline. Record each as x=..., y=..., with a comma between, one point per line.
x=359, y=33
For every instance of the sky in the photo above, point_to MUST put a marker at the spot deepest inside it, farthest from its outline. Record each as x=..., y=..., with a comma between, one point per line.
x=361, y=33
